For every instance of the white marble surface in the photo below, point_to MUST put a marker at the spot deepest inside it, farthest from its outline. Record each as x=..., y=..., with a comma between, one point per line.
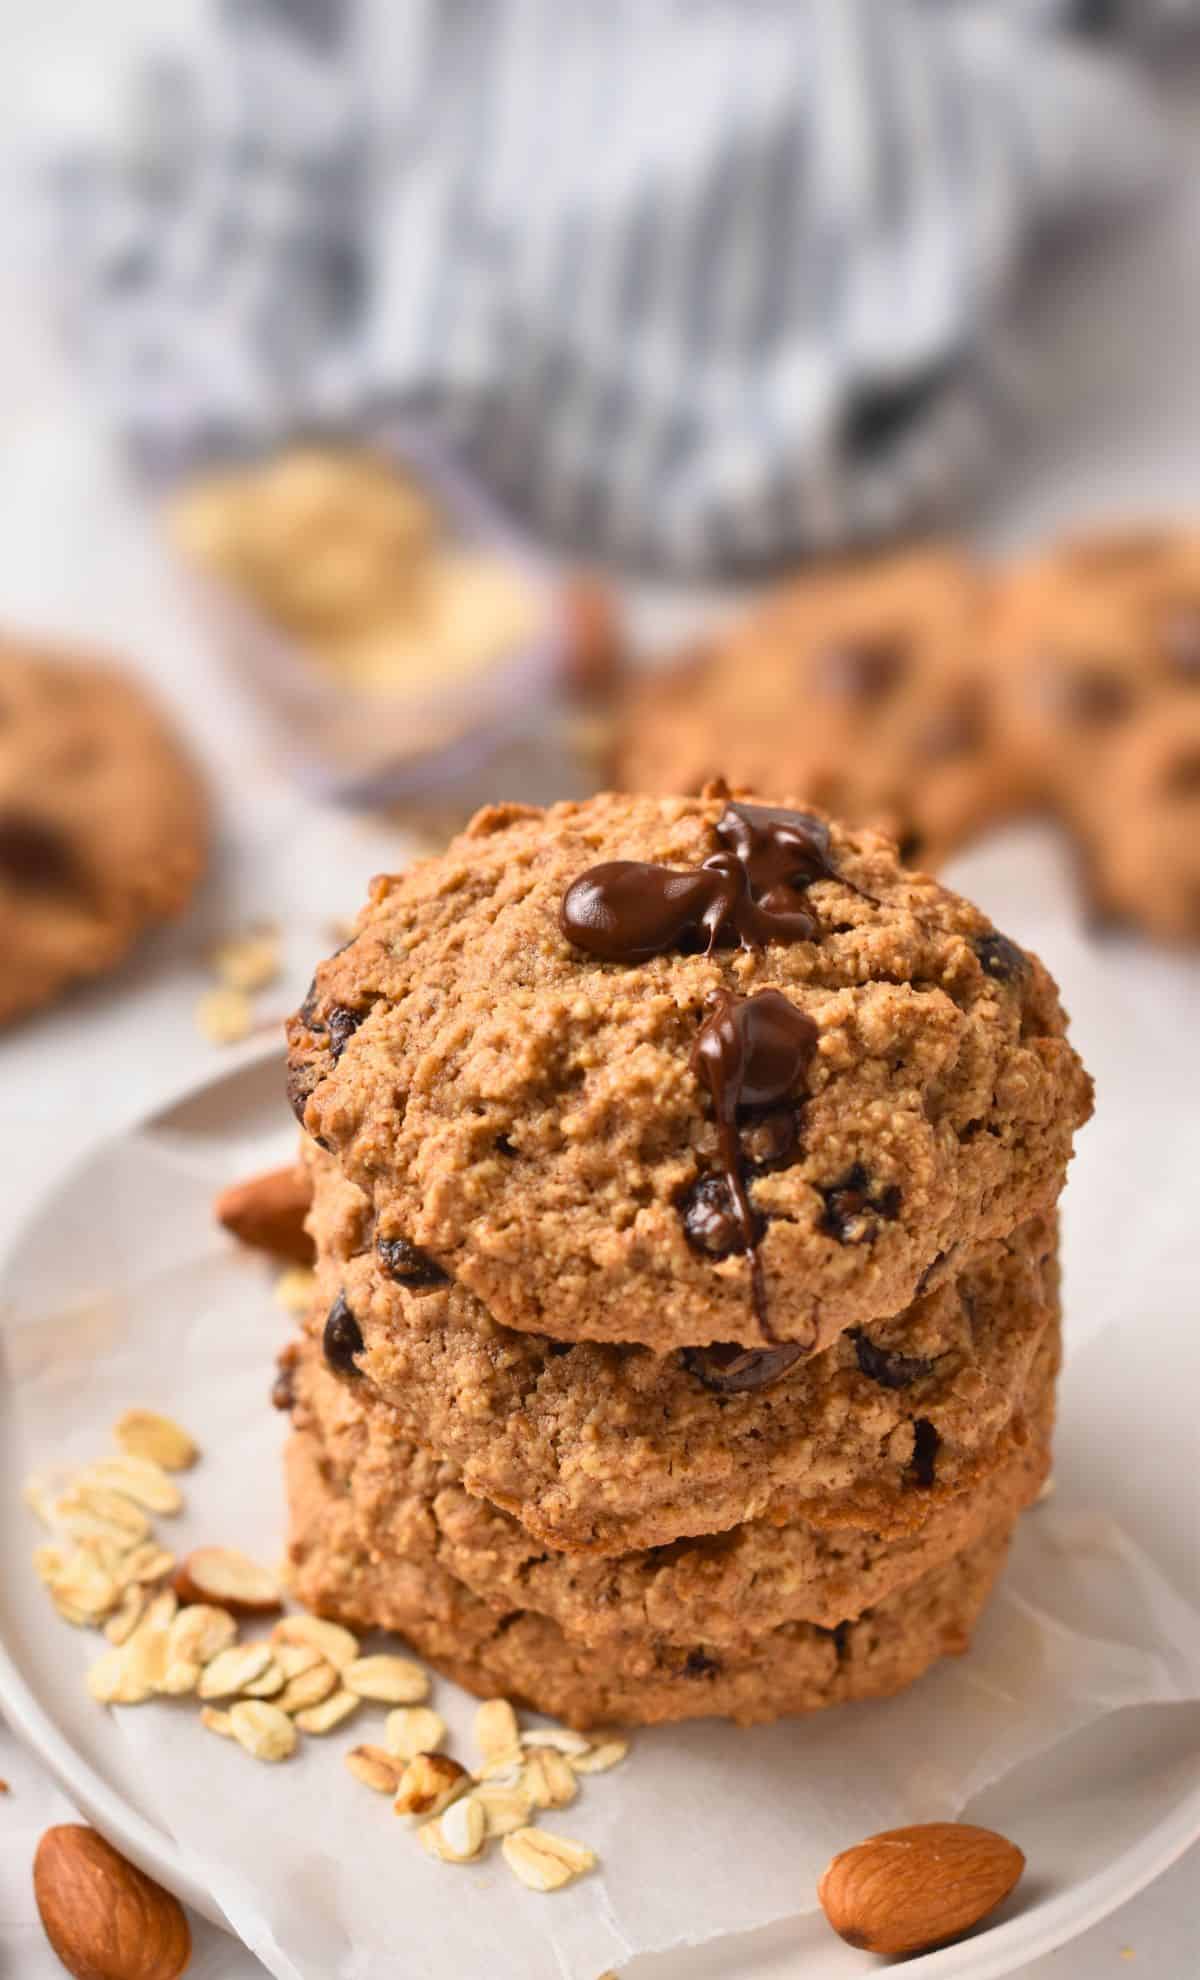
x=1114, y=432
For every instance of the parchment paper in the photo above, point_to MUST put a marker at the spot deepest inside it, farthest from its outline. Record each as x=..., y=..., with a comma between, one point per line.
x=706, y=1829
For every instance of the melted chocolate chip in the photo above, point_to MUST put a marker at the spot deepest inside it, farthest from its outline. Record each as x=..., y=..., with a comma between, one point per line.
x=710, y=1221
x=750, y=1052
x=751, y=890
x=342, y=1338
x=883, y=1365
x=342, y=1023
x=409, y=1267
x=859, y=670
x=700, y=1665
x=1089, y=695
x=848, y=1202
x=35, y=858
x=925, y=1450
x=1001, y=958
x=732, y=1371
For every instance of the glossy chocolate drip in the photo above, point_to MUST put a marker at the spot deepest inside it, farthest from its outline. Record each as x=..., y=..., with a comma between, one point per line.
x=751, y=890
x=750, y=1052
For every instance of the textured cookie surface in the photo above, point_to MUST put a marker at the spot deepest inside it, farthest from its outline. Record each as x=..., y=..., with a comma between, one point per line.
x=102, y=822
x=861, y=690
x=724, y=1588
x=599, y=1447
x=525, y=1656
x=528, y=1116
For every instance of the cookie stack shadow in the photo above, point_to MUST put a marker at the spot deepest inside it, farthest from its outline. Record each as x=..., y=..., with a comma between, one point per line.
x=611, y=1530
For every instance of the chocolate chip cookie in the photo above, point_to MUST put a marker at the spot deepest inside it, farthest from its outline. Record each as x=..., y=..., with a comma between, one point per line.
x=102, y=821
x=602, y=1448
x=684, y=1072
x=724, y=1587
x=524, y=1656
x=860, y=689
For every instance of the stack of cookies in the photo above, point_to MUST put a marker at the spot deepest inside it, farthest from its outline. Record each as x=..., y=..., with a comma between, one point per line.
x=684, y=1179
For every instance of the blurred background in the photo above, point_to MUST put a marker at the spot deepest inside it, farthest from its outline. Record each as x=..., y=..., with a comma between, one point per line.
x=420, y=399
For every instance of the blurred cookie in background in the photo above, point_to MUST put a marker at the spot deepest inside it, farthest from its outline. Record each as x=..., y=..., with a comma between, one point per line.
x=103, y=824
x=858, y=687
x=1139, y=827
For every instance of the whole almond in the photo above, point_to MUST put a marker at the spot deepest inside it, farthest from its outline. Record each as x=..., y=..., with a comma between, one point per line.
x=909, y=1890
x=105, y=1919
x=267, y=1213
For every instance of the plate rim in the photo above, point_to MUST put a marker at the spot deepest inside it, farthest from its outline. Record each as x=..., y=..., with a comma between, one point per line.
x=992, y=1955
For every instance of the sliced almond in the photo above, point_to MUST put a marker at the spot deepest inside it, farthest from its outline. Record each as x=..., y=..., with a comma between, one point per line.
x=337, y=1645
x=144, y=1433
x=504, y=1808
x=375, y=1768
x=232, y=1670
x=126, y=1617
x=598, y=1759
x=458, y=1834
x=429, y=1783
x=329, y=1713
x=387, y=1680
x=545, y=1862
x=301, y=1693
x=413, y=1729
x=136, y=1478
x=227, y=1578
x=548, y=1779
x=262, y=1729
x=215, y=1721
x=200, y=1632
x=496, y=1728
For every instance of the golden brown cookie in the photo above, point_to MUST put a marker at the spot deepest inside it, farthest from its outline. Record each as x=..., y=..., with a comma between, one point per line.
x=725, y=1587
x=685, y=1071
x=603, y=1448
x=103, y=823
x=526, y=1657
x=859, y=688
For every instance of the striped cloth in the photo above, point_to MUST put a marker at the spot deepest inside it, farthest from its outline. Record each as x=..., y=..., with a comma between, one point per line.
x=687, y=281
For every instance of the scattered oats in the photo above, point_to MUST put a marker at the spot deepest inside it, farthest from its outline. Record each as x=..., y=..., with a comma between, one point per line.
x=216, y=1721
x=84, y=1587
x=49, y=1562
x=559, y=1737
x=262, y=1729
x=136, y=1478
x=504, y=1770
x=308, y=1689
x=230, y=1579
x=131, y=1674
x=225, y=1016
x=92, y=1512
x=144, y=1433
x=429, y=1783
x=122, y=1623
x=387, y=1680
x=456, y=1836
x=146, y=1563
x=545, y=1862
x=504, y=1808
x=232, y=1670
x=160, y=1611
x=294, y=1288
x=250, y=961
x=181, y=1678
x=496, y=1729
x=413, y=1729
x=548, y=1779
x=39, y=1493
x=329, y=1713
x=200, y=1632
x=375, y=1768
x=337, y=1645
x=294, y=1659
x=598, y=1759
x=269, y=1685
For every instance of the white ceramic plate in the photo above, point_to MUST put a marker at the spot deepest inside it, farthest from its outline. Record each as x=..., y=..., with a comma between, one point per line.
x=1099, y=1816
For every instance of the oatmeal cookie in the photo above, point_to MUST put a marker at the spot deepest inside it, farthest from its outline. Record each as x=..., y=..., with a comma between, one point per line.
x=102, y=821
x=685, y=1071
